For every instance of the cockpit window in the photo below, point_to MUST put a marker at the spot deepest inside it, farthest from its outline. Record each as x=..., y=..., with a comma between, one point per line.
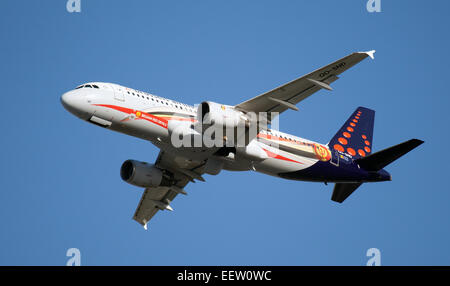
x=87, y=86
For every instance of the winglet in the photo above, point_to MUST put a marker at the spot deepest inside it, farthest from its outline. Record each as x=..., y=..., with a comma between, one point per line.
x=370, y=54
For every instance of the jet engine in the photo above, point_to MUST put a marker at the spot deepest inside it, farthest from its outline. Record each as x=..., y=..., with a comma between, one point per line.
x=223, y=123
x=211, y=113
x=142, y=174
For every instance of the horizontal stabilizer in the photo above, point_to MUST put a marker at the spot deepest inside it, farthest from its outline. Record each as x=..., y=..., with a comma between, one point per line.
x=343, y=190
x=381, y=159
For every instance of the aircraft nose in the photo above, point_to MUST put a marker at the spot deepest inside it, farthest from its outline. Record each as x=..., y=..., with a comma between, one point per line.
x=66, y=99
x=69, y=101
x=75, y=103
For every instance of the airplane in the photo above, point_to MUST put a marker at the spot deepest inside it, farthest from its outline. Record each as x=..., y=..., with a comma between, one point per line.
x=347, y=159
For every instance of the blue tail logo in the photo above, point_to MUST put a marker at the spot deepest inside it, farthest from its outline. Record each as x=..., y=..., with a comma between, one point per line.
x=355, y=136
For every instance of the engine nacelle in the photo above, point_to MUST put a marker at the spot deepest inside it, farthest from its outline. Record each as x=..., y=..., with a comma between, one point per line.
x=141, y=174
x=211, y=113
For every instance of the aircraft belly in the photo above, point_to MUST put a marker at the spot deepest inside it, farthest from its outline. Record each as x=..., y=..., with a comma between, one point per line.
x=140, y=129
x=238, y=165
x=105, y=113
x=275, y=166
x=327, y=172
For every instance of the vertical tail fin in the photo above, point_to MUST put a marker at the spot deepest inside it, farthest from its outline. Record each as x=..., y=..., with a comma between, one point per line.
x=355, y=136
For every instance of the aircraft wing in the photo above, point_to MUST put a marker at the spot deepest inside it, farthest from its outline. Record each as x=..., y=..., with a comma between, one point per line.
x=288, y=95
x=159, y=198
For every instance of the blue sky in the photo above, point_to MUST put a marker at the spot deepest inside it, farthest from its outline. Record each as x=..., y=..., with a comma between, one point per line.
x=60, y=176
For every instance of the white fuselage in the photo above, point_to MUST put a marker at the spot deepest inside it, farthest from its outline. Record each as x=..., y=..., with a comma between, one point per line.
x=155, y=119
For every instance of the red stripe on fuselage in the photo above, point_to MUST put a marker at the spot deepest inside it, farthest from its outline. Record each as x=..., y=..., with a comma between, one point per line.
x=143, y=115
x=177, y=118
x=276, y=156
